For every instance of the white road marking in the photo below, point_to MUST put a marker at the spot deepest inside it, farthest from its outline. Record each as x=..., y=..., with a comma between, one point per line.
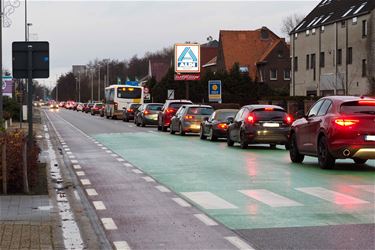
x=108, y=224
x=114, y=155
x=121, y=245
x=100, y=145
x=108, y=151
x=205, y=219
x=181, y=202
x=91, y=192
x=163, y=189
x=65, y=146
x=99, y=205
x=104, y=148
x=137, y=171
x=120, y=159
x=71, y=156
x=208, y=200
x=76, y=166
x=237, y=242
x=131, y=126
x=269, y=198
x=367, y=188
x=85, y=182
x=74, y=161
x=128, y=165
x=96, y=142
x=148, y=179
x=77, y=195
x=68, y=152
x=80, y=173
x=331, y=196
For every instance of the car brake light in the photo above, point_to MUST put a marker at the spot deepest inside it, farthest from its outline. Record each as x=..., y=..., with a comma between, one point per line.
x=250, y=119
x=169, y=111
x=130, y=110
x=223, y=125
x=346, y=122
x=268, y=109
x=367, y=102
x=189, y=117
x=289, y=119
x=146, y=112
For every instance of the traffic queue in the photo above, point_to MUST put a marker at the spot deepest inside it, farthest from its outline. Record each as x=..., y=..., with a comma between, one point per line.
x=335, y=127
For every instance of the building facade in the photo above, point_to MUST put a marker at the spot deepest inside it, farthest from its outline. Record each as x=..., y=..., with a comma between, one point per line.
x=332, y=50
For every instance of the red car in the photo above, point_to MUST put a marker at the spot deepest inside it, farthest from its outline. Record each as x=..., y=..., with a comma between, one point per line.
x=168, y=110
x=336, y=127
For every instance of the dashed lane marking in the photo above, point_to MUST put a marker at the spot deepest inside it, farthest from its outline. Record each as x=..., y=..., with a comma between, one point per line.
x=71, y=156
x=99, y=205
x=85, y=182
x=181, y=202
x=237, y=242
x=109, y=224
x=108, y=151
x=128, y=165
x=208, y=200
x=163, y=189
x=74, y=161
x=137, y=171
x=68, y=152
x=269, y=198
x=76, y=167
x=104, y=148
x=91, y=192
x=120, y=159
x=100, y=145
x=121, y=245
x=205, y=219
x=148, y=179
x=114, y=155
x=331, y=196
x=80, y=173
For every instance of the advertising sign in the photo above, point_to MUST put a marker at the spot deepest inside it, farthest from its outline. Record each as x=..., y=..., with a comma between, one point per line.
x=187, y=58
x=214, y=91
x=7, y=86
x=187, y=77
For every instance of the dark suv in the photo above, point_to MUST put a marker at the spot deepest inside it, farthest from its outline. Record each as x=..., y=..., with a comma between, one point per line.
x=260, y=124
x=129, y=112
x=168, y=111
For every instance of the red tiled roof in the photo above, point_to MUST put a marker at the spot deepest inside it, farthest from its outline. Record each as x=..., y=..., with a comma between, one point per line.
x=207, y=53
x=245, y=47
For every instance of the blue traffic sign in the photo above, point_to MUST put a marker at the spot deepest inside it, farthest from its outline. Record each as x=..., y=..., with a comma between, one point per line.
x=214, y=91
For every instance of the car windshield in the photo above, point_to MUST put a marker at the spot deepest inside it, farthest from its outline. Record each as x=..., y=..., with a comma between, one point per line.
x=264, y=115
x=129, y=93
x=350, y=108
x=154, y=107
x=222, y=116
x=200, y=111
x=177, y=105
x=99, y=105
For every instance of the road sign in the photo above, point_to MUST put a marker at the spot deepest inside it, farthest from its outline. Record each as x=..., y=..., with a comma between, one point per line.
x=170, y=95
x=7, y=86
x=132, y=83
x=214, y=91
x=147, y=97
x=40, y=59
x=187, y=77
x=187, y=58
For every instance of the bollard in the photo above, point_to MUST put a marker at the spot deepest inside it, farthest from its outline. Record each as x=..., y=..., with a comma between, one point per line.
x=4, y=166
x=24, y=166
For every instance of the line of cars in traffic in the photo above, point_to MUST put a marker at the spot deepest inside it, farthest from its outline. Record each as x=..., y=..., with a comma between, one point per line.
x=335, y=127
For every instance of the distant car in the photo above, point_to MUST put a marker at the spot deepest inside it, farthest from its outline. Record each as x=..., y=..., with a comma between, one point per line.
x=80, y=106
x=61, y=104
x=88, y=107
x=53, y=105
x=260, y=124
x=69, y=104
x=148, y=114
x=336, y=127
x=168, y=110
x=95, y=110
x=129, y=111
x=216, y=125
x=188, y=118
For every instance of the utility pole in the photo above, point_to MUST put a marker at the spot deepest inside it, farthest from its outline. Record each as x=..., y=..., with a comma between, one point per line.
x=79, y=86
x=92, y=85
x=99, y=85
x=1, y=64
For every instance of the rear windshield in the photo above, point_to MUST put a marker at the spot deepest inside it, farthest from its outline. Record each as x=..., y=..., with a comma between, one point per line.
x=154, y=107
x=129, y=93
x=222, y=116
x=135, y=106
x=200, y=111
x=177, y=105
x=350, y=108
x=98, y=104
x=264, y=115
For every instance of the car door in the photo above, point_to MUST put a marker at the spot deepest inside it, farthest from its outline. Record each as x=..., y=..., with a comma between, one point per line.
x=317, y=124
x=236, y=126
x=208, y=124
x=175, y=121
x=307, y=129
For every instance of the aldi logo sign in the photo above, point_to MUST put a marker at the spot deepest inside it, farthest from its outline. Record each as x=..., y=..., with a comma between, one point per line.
x=187, y=58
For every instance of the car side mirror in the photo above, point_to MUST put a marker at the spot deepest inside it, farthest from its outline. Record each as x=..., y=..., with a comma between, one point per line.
x=230, y=120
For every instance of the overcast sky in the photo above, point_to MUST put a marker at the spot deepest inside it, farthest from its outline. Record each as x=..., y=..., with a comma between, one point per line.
x=80, y=31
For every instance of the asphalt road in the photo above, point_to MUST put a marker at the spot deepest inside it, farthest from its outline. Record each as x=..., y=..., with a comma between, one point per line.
x=158, y=191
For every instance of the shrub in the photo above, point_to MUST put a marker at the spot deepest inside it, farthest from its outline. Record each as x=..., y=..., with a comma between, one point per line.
x=11, y=108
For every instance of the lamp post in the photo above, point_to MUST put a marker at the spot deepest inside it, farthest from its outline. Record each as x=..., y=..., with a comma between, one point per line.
x=1, y=64
x=99, y=85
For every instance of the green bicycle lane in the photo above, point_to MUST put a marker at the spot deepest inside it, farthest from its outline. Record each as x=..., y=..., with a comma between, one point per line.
x=254, y=188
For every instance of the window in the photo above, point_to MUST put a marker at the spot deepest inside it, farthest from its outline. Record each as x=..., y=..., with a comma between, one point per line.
x=295, y=36
x=286, y=74
x=364, y=68
x=295, y=63
x=325, y=107
x=355, y=20
x=339, y=57
x=364, y=28
x=315, y=109
x=322, y=29
x=349, y=56
x=273, y=74
x=322, y=60
x=307, y=32
x=313, y=31
x=312, y=65
x=307, y=62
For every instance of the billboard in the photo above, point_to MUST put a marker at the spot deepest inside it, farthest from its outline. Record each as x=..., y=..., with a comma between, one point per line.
x=187, y=58
x=7, y=86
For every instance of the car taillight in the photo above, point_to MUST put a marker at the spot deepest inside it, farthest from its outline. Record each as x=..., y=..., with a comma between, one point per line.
x=288, y=119
x=250, y=119
x=268, y=109
x=130, y=110
x=222, y=126
x=170, y=111
x=367, y=102
x=346, y=122
x=189, y=117
x=146, y=112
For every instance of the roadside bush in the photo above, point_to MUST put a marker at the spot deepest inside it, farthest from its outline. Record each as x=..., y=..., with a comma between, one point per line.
x=14, y=142
x=11, y=108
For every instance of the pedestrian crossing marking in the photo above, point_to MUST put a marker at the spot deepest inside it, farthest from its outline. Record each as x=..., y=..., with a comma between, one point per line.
x=269, y=198
x=208, y=200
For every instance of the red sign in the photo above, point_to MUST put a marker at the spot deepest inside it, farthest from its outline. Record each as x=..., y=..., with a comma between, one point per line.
x=187, y=77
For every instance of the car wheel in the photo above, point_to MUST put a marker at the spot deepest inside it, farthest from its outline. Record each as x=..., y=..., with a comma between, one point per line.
x=230, y=143
x=287, y=146
x=326, y=161
x=159, y=127
x=164, y=128
x=171, y=131
x=359, y=161
x=201, y=134
x=294, y=154
x=212, y=136
x=143, y=124
x=273, y=146
x=182, y=133
x=243, y=142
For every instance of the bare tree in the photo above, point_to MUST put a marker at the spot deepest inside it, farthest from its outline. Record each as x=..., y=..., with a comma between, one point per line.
x=290, y=22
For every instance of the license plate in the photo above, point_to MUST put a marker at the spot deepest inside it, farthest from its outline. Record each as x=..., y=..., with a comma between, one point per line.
x=271, y=125
x=152, y=117
x=370, y=138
